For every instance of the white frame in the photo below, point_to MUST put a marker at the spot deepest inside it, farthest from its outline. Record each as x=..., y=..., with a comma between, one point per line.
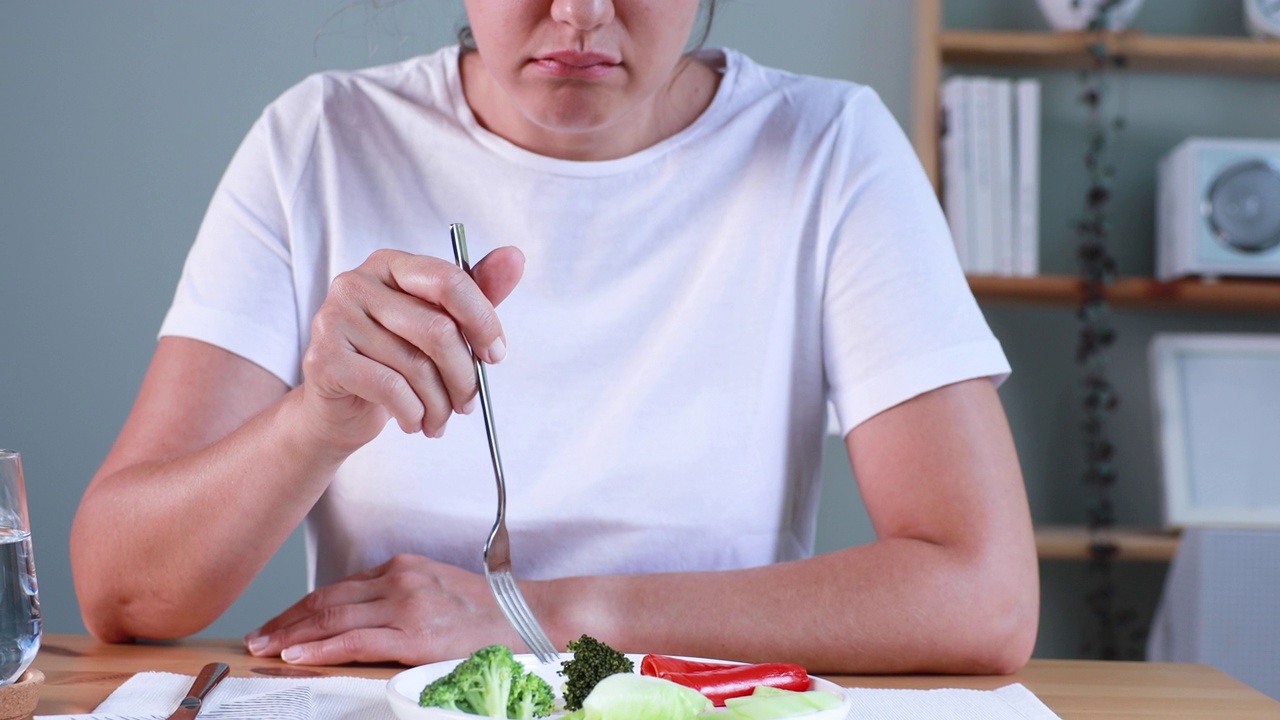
x=1168, y=351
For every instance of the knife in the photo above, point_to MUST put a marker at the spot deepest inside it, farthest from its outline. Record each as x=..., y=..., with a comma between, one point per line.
x=210, y=675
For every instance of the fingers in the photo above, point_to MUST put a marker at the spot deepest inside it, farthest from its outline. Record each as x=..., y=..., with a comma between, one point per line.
x=395, y=331
x=459, y=295
x=363, y=645
x=347, y=592
x=409, y=609
x=423, y=345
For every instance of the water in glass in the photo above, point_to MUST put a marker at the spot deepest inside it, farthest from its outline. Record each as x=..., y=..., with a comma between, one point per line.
x=20, y=619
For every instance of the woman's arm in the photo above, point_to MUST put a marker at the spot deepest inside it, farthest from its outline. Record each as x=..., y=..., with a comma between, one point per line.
x=218, y=461
x=205, y=482
x=950, y=585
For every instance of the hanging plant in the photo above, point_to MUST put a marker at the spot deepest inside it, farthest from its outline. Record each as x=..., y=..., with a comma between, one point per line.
x=1098, y=270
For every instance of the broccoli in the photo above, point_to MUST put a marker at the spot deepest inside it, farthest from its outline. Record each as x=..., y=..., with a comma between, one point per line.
x=444, y=693
x=531, y=697
x=491, y=682
x=592, y=662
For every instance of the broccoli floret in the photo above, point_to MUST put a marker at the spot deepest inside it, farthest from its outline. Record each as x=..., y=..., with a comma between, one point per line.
x=592, y=662
x=444, y=693
x=491, y=682
x=531, y=697
x=485, y=679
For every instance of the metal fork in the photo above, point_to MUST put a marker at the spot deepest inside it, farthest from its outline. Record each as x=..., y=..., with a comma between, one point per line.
x=497, y=549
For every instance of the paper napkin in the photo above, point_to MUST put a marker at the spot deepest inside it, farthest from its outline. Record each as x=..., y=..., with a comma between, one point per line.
x=1011, y=702
x=154, y=695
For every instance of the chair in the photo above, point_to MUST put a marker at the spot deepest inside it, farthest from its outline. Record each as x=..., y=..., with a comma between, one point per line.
x=1221, y=605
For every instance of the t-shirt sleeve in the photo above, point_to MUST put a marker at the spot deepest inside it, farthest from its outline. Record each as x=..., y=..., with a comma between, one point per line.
x=237, y=288
x=899, y=318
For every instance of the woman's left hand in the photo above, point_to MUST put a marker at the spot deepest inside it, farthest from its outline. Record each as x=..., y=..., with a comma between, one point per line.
x=410, y=609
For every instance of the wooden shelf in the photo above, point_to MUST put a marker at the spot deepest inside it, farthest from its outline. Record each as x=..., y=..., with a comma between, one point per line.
x=937, y=47
x=1258, y=296
x=1149, y=53
x=1135, y=545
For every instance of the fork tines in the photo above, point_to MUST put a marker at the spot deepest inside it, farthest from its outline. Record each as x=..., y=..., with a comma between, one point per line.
x=513, y=605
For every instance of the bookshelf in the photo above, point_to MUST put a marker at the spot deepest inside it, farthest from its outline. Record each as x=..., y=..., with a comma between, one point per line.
x=938, y=48
x=1139, y=293
x=1056, y=542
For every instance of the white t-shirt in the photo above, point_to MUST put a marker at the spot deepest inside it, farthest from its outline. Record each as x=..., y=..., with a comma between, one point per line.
x=685, y=314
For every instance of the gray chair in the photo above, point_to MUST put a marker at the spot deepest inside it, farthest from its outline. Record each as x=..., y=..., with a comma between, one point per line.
x=1221, y=606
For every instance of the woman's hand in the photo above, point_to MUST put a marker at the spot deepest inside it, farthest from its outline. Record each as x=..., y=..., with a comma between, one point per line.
x=391, y=340
x=410, y=609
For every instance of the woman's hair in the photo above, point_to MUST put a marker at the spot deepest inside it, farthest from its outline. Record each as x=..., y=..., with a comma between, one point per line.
x=467, y=41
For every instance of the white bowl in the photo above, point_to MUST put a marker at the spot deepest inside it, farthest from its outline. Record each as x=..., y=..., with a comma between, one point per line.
x=1063, y=15
x=404, y=689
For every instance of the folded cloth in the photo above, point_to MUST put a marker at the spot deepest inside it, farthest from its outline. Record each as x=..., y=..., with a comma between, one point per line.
x=1011, y=702
x=154, y=695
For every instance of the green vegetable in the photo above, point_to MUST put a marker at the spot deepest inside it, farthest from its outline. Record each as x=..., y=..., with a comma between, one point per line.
x=766, y=703
x=443, y=693
x=491, y=682
x=627, y=696
x=592, y=662
x=531, y=697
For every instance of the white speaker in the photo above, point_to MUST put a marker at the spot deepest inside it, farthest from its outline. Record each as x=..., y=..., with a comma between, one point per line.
x=1218, y=209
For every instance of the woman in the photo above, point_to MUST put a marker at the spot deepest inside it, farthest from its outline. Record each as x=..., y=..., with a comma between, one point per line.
x=709, y=250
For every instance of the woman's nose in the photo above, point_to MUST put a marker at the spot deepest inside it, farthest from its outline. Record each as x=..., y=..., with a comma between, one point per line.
x=582, y=14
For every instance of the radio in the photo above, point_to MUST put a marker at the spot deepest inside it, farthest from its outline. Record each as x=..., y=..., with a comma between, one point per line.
x=1219, y=209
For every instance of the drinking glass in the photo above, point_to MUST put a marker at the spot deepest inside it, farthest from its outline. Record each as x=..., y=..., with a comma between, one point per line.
x=19, y=596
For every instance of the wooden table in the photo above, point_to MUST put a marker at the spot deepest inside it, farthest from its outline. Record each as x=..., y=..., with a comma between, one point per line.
x=81, y=672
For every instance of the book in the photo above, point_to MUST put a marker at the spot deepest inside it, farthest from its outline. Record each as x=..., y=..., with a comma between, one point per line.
x=1002, y=177
x=981, y=119
x=955, y=165
x=1027, y=172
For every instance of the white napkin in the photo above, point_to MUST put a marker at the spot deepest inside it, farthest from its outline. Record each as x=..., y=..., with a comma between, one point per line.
x=154, y=695
x=1011, y=702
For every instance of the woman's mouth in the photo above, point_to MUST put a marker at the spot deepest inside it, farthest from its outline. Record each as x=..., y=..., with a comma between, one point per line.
x=577, y=65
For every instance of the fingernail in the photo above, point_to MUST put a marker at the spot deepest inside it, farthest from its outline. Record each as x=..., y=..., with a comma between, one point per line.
x=470, y=407
x=291, y=654
x=257, y=643
x=438, y=432
x=497, y=351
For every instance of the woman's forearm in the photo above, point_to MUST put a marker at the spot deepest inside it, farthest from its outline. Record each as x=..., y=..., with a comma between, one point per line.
x=161, y=547
x=898, y=605
x=952, y=585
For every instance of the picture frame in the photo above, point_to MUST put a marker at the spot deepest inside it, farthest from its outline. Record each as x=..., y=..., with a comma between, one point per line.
x=1217, y=410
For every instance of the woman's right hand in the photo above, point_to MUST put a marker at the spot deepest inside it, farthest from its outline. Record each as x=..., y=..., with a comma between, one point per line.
x=391, y=340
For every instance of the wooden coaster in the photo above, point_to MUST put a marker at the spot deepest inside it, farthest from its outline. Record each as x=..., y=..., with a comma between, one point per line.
x=18, y=701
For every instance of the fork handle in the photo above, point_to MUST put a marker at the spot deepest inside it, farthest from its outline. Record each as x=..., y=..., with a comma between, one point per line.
x=458, y=237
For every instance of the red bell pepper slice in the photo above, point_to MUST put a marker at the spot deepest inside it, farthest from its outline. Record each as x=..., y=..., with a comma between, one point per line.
x=720, y=681
x=660, y=665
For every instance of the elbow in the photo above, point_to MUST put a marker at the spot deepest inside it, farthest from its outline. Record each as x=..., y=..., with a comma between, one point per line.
x=116, y=618
x=98, y=610
x=1007, y=643
x=1003, y=626
x=102, y=614
x=120, y=606
x=103, y=628
x=115, y=614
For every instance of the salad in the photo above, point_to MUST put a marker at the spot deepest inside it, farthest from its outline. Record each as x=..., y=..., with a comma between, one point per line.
x=601, y=683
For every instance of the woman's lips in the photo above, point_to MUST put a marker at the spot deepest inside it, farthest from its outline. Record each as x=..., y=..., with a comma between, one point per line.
x=576, y=65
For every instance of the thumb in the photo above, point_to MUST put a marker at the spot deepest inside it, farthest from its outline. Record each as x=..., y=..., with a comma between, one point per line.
x=498, y=273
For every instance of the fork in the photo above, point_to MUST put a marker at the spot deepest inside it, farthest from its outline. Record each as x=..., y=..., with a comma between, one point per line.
x=497, y=549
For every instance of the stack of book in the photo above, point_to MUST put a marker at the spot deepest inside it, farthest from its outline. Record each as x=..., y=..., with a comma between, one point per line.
x=991, y=173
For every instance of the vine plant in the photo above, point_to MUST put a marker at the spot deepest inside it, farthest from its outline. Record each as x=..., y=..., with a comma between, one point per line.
x=1115, y=638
